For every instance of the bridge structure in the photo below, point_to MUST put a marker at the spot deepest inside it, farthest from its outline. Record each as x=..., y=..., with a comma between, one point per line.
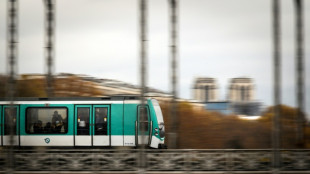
x=274, y=160
x=157, y=161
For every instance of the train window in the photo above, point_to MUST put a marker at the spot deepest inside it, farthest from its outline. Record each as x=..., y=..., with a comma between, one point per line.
x=10, y=120
x=101, y=121
x=46, y=121
x=143, y=118
x=83, y=121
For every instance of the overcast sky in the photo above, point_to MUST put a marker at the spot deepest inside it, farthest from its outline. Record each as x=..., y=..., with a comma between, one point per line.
x=222, y=39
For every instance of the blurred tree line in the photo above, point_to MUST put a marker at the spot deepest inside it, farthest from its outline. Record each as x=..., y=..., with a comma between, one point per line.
x=63, y=86
x=197, y=129
x=201, y=129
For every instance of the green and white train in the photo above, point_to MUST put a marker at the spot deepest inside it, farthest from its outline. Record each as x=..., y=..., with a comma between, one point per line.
x=114, y=121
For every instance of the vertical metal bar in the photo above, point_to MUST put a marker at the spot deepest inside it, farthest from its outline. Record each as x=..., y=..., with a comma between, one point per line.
x=50, y=37
x=143, y=48
x=12, y=47
x=49, y=7
x=12, y=37
x=300, y=76
x=136, y=132
x=174, y=68
x=150, y=132
x=277, y=82
x=143, y=75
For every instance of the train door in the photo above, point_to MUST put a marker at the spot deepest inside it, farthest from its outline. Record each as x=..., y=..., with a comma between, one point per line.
x=144, y=125
x=101, y=128
x=10, y=119
x=83, y=125
x=92, y=125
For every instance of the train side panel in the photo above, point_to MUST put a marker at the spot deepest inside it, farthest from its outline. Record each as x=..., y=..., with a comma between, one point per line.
x=130, y=117
x=37, y=127
x=117, y=125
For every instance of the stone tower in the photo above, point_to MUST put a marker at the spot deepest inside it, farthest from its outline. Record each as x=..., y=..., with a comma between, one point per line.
x=205, y=89
x=241, y=90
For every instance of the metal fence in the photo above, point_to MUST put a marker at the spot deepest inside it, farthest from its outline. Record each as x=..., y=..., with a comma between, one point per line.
x=54, y=160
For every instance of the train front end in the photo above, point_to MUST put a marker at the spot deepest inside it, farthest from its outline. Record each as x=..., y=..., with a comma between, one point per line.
x=158, y=129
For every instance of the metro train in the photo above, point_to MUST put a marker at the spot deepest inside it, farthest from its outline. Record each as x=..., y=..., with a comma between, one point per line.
x=78, y=122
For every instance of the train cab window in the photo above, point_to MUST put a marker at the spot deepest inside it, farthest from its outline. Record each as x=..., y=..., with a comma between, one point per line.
x=101, y=121
x=10, y=120
x=46, y=121
x=83, y=121
x=143, y=118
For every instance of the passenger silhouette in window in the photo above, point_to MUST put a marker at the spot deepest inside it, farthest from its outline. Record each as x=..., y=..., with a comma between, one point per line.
x=48, y=127
x=37, y=127
x=57, y=122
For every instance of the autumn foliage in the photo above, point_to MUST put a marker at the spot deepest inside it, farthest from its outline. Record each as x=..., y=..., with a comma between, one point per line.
x=200, y=129
x=35, y=86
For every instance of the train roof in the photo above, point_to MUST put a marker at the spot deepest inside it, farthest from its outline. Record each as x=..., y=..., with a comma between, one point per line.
x=111, y=98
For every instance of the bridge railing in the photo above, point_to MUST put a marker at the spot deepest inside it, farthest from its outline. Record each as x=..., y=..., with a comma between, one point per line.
x=157, y=160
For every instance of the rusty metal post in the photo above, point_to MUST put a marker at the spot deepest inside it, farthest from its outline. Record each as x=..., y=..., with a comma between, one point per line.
x=49, y=39
x=12, y=40
x=173, y=139
x=143, y=76
x=277, y=85
x=300, y=75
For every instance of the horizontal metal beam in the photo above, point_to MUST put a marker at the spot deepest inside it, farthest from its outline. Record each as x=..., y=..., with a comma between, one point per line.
x=168, y=172
x=157, y=161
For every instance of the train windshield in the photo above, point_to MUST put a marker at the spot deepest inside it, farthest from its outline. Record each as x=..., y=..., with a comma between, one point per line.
x=160, y=119
x=158, y=111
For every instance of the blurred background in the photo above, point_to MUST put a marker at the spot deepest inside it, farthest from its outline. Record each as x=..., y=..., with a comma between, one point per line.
x=225, y=61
